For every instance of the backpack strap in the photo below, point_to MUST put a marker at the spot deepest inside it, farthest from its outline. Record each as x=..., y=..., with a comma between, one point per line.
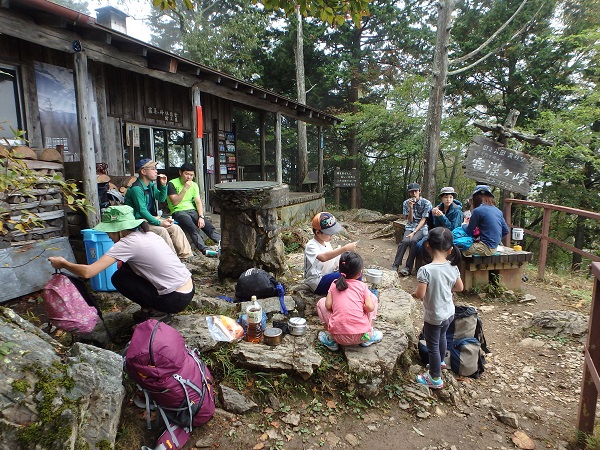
x=281, y=292
x=171, y=428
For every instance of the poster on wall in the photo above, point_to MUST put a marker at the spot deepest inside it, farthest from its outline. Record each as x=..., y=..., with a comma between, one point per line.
x=58, y=109
x=210, y=164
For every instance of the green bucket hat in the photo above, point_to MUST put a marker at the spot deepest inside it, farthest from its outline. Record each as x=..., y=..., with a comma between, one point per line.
x=118, y=218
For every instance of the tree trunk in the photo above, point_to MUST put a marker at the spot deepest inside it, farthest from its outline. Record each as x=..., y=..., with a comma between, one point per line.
x=302, y=168
x=439, y=71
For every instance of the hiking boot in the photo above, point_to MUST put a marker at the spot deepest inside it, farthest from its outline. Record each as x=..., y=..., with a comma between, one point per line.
x=426, y=380
x=405, y=272
x=376, y=336
x=326, y=339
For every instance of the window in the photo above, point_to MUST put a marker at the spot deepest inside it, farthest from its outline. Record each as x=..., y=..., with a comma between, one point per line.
x=10, y=114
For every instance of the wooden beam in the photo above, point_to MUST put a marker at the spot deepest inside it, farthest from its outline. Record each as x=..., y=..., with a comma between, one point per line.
x=162, y=62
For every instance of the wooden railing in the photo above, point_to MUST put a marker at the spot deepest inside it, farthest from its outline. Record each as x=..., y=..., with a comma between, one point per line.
x=590, y=385
x=544, y=236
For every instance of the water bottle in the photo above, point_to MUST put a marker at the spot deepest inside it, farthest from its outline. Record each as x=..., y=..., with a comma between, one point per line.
x=254, y=314
x=211, y=253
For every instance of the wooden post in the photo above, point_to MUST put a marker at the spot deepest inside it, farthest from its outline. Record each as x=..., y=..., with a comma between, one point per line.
x=507, y=218
x=131, y=153
x=433, y=124
x=590, y=383
x=544, y=242
x=278, y=163
x=197, y=146
x=320, y=163
x=86, y=139
x=337, y=194
x=263, y=147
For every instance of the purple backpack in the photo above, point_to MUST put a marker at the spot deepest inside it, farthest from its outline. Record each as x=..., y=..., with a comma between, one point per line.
x=172, y=378
x=67, y=306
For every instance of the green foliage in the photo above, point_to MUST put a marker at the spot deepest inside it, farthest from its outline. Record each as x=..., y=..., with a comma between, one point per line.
x=17, y=179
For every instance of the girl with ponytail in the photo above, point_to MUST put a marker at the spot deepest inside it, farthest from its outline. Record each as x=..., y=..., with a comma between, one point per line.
x=349, y=309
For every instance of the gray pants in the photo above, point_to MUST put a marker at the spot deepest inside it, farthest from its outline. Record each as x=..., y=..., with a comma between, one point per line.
x=411, y=244
x=188, y=221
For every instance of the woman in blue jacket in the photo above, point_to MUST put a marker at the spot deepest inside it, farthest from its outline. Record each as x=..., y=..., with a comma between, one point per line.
x=448, y=213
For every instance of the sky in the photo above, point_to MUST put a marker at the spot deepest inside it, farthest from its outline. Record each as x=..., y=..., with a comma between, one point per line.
x=137, y=10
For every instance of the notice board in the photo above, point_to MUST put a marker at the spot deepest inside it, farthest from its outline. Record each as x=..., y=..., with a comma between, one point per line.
x=489, y=162
x=345, y=178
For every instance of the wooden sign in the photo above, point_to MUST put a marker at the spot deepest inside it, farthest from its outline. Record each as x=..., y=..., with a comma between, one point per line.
x=345, y=178
x=151, y=112
x=489, y=162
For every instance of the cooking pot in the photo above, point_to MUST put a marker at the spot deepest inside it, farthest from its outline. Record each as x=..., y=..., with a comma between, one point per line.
x=273, y=336
x=373, y=275
x=297, y=326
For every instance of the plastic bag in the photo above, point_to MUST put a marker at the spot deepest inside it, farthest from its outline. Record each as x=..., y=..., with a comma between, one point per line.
x=224, y=329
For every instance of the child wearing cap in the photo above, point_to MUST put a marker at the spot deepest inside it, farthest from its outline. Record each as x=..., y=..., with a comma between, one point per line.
x=490, y=221
x=320, y=259
x=416, y=209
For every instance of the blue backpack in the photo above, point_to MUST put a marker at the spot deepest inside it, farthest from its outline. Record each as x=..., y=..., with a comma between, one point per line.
x=461, y=240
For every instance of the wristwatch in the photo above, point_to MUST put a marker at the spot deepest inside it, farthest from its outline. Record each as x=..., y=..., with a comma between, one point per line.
x=202, y=217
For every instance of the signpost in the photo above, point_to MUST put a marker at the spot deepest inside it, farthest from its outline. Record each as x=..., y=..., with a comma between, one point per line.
x=488, y=161
x=344, y=179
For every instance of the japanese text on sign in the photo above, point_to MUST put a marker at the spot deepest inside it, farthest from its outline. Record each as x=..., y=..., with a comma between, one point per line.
x=152, y=112
x=345, y=178
x=489, y=162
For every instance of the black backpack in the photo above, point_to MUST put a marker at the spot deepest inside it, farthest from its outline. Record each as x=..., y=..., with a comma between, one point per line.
x=261, y=284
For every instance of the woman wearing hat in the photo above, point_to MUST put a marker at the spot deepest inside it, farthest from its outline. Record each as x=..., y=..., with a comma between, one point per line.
x=158, y=284
x=448, y=213
x=490, y=221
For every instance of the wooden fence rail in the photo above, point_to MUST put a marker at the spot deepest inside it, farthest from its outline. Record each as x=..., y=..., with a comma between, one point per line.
x=544, y=236
x=590, y=385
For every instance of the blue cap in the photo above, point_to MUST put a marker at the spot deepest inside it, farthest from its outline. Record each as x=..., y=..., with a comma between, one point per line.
x=143, y=164
x=482, y=189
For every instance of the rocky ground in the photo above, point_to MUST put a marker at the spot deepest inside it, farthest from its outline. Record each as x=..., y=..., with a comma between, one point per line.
x=526, y=398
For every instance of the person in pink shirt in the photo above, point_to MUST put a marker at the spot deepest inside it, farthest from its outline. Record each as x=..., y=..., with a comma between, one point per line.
x=349, y=309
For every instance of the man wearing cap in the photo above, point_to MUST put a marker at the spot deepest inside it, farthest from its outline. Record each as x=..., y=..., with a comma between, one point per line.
x=488, y=219
x=186, y=206
x=320, y=259
x=143, y=195
x=416, y=209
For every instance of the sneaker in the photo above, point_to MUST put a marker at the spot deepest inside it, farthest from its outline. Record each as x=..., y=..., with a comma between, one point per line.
x=405, y=272
x=326, y=339
x=376, y=336
x=443, y=366
x=394, y=267
x=426, y=380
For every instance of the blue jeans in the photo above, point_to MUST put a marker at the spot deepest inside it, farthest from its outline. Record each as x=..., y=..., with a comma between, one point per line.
x=435, y=338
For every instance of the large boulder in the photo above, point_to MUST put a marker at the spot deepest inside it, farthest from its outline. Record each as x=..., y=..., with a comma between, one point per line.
x=55, y=397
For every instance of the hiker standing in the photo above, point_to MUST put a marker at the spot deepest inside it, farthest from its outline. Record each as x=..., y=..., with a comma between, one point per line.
x=159, y=284
x=143, y=195
x=349, y=309
x=437, y=280
x=320, y=259
x=490, y=221
x=416, y=209
x=183, y=198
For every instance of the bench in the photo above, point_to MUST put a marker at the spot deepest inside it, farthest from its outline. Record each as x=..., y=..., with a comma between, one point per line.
x=506, y=268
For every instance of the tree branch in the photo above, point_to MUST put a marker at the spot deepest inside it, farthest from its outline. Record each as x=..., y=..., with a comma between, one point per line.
x=490, y=39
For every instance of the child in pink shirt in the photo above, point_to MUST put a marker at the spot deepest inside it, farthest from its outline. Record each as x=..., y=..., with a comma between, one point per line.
x=349, y=308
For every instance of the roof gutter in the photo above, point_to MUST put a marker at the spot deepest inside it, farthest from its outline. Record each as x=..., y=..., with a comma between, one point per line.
x=61, y=11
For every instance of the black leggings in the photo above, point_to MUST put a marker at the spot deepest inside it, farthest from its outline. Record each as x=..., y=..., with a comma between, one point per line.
x=142, y=292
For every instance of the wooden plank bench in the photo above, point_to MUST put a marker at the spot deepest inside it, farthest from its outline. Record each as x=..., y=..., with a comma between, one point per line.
x=505, y=268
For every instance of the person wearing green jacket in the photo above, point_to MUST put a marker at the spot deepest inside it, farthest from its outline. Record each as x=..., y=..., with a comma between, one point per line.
x=143, y=196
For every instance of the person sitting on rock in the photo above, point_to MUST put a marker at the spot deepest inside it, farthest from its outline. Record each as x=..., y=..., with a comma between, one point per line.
x=143, y=196
x=186, y=207
x=320, y=259
x=161, y=285
x=349, y=309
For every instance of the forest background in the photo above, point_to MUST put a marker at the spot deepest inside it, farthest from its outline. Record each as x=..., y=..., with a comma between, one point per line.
x=374, y=71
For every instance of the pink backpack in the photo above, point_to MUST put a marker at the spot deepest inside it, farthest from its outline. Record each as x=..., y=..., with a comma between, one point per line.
x=172, y=378
x=67, y=307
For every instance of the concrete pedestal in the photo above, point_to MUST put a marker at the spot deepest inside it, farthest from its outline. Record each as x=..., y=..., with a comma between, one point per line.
x=249, y=229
